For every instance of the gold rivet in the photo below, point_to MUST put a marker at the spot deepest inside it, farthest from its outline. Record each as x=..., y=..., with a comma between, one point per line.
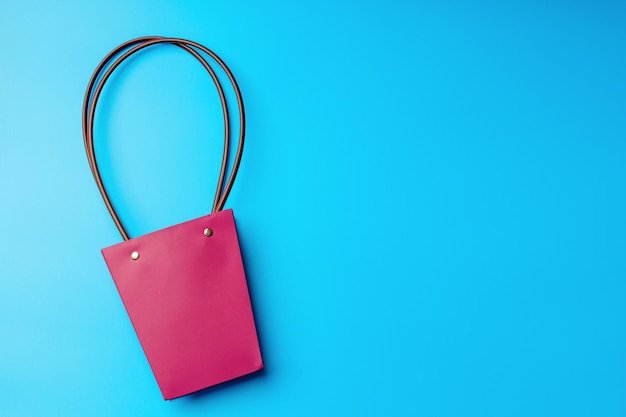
x=208, y=232
x=134, y=256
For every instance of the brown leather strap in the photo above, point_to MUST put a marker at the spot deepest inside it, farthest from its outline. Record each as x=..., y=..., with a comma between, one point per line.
x=98, y=80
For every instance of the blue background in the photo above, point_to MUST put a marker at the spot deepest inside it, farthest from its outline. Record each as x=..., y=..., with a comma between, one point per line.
x=431, y=203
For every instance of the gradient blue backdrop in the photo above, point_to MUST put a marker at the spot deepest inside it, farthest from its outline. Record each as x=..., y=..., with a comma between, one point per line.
x=431, y=203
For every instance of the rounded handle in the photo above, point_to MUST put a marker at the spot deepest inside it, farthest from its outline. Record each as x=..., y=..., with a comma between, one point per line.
x=98, y=80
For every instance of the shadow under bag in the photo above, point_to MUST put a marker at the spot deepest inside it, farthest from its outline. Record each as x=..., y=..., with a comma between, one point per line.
x=183, y=287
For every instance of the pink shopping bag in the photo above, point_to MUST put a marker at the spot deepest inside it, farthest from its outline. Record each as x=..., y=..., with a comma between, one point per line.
x=184, y=287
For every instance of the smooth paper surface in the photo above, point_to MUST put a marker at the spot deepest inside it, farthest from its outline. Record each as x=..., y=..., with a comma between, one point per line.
x=187, y=297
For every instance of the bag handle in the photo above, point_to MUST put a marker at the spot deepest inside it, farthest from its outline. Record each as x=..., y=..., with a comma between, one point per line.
x=97, y=82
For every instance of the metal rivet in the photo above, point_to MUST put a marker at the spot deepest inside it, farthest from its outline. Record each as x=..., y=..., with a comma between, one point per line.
x=208, y=232
x=134, y=256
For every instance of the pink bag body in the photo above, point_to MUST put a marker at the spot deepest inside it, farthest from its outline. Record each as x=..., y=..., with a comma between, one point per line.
x=183, y=287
